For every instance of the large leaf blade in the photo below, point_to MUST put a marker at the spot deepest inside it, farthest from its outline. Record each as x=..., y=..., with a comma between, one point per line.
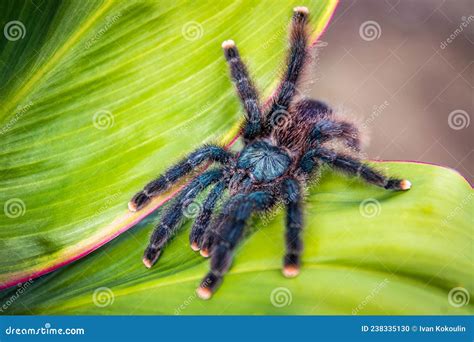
x=99, y=98
x=404, y=259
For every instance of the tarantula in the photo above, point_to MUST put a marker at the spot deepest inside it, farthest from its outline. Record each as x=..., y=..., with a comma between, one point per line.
x=275, y=164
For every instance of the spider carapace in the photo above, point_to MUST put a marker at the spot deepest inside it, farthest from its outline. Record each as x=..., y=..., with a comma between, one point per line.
x=285, y=142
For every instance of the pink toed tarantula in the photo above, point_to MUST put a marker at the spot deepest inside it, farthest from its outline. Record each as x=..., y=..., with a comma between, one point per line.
x=274, y=166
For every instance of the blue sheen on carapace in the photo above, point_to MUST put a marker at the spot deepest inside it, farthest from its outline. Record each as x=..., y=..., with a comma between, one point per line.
x=264, y=161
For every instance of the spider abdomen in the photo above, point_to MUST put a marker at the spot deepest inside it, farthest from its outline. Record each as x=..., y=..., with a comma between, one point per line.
x=263, y=161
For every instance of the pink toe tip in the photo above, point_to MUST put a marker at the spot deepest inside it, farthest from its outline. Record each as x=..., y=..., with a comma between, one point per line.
x=291, y=271
x=204, y=293
x=301, y=9
x=194, y=246
x=405, y=184
x=132, y=206
x=147, y=262
x=228, y=44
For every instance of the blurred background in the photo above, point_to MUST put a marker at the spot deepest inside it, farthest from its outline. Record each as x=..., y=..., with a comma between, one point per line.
x=404, y=70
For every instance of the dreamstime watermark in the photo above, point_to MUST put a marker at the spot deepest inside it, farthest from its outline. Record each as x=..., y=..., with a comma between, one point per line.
x=458, y=119
x=103, y=119
x=14, y=208
x=183, y=129
x=106, y=205
x=109, y=22
x=18, y=114
x=375, y=291
x=188, y=300
x=103, y=296
x=191, y=209
x=192, y=30
x=14, y=30
x=465, y=21
x=370, y=208
x=280, y=297
x=280, y=32
x=453, y=213
x=22, y=287
x=370, y=30
x=268, y=217
x=376, y=111
x=280, y=118
x=315, y=58
x=458, y=296
x=46, y=330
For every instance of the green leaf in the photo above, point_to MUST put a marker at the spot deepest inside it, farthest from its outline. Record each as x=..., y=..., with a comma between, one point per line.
x=65, y=183
x=98, y=97
x=367, y=251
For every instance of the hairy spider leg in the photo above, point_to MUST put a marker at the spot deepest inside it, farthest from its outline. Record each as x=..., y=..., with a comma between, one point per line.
x=169, y=223
x=352, y=166
x=327, y=127
x=326, y=130
x=294, y=224
x=210, y=235
x=228, y=236
x=297, y=57
x=172, y=175
x=203, y=220
x=245, y=89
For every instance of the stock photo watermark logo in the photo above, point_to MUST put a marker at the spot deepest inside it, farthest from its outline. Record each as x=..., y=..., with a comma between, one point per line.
x=22, y=287
x=183, y=306
x=103, y=119
x=270, y=216
x=458, y=297
x=280, y=118
x=370, y=297
x=14, y=208
x=108, y=203
x=275, y=37
x=459, y=119
x=191, y=209
x=465, y=21
x=18, y=115
x=370, y=30
x=192, y=31
x=183, y=128
x=14, y=30
x=47, y=329
x=370, y=208
x=376, y=111
x=457, y=210
x=103, y=296
x=281, y=297
x=109, y=22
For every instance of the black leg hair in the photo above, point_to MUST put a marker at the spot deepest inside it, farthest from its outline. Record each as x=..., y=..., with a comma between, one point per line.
x=296, y=60
x=206, y=153
x=229, y=234
x=245, y=89
x=169, y=222
x=202, y=222
x=353, y=166
x=294, y=225
x=326, y=130
x=308, y=162
x=210, y=236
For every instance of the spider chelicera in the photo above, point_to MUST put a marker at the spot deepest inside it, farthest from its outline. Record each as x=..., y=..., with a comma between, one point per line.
x=274, y=166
